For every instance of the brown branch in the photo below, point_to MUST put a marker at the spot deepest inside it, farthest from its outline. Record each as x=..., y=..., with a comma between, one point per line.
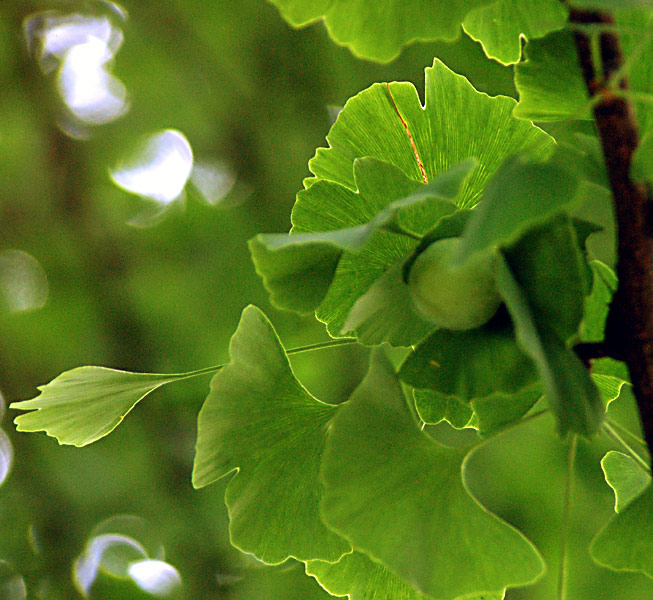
x=629, y=329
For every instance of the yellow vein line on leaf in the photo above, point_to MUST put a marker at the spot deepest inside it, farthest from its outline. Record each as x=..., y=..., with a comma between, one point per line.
x=420, y=164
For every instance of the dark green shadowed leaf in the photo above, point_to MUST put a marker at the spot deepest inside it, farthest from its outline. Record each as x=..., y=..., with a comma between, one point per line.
x=626, y=542
x=470, y=364
x=541, y=284
x=297, y=268
x=399, y=496
x=85, y=404
x=359, y=577
x=550, y=82
x=625, y=476
x=519, y=194
x=499, y=410
x=500, y=26
x=379, y=30
x=434, y=407
x=261, y=424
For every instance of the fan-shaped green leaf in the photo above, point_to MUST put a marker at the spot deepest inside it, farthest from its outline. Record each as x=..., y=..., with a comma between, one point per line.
x=597, y=304
x=626, y=542
x=399, y=496
x=85, y=404
x=355, y=575
x=500, y=26
x=626, y=478
x=456, y=123
x=379, y=30
x=260, y=422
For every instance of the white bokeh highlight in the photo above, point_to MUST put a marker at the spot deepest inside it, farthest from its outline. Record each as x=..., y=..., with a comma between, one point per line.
x=81, y=49
x=159, y=169
x=23, y=282
x=156, y=577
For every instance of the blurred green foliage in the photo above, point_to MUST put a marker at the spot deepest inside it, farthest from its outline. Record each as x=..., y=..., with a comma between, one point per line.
x=253, y=94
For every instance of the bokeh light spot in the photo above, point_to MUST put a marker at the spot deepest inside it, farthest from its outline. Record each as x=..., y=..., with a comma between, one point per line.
x=23, y=282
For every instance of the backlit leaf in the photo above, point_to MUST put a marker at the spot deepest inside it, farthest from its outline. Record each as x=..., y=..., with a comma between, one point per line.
x=84, y=404
x=376, y=30
x=625, y=476
x=260, y=425
x=501, y=25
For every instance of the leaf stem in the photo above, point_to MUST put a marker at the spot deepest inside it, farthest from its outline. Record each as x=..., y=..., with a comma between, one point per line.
x=298, y=350
x=566, y=518
x=625, y=432
x=635, y=455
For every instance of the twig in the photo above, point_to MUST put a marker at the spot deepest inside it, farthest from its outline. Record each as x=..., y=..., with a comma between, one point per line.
x=629, y=328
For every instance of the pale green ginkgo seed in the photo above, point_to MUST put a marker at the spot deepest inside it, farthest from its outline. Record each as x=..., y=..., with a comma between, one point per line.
x=453, y=297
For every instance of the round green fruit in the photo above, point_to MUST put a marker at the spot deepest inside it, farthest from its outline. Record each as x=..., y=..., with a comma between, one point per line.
x=460, y=297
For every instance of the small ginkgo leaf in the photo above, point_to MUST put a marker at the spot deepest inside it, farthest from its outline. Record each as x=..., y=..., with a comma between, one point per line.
x=262, y=426
x=84, y=404
x=399, y=496
x=626, y=542
x=358, y=577
x=501, y=26
x=625, y=476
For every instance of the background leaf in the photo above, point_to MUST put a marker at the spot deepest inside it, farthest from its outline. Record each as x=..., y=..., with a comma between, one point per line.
x=399, y=495
x=259, y=420
x=499, y=26
x=377, y=31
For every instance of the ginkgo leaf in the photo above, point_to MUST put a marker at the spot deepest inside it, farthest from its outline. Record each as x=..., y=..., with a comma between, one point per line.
x=550, y=81
x=518, y=194
x=456, y=122
x=399, y=496
x=297, y=268
x=498, y=410
x=262, y=426
x=434, y=407
x=84, y=404
x=626, y=542
x=541, y=282
x=470, y=364
x=501, y=26
x=625, y=476
x=442, y=134
x=376, y=30
x=358, y=577
x=597, y=304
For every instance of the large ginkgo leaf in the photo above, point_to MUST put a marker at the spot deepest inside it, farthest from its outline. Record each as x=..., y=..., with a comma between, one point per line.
x=399, y=496
x=500, y=26
x=378, y=30
x=260, y=423
x=456, y=123
x=357, y=576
